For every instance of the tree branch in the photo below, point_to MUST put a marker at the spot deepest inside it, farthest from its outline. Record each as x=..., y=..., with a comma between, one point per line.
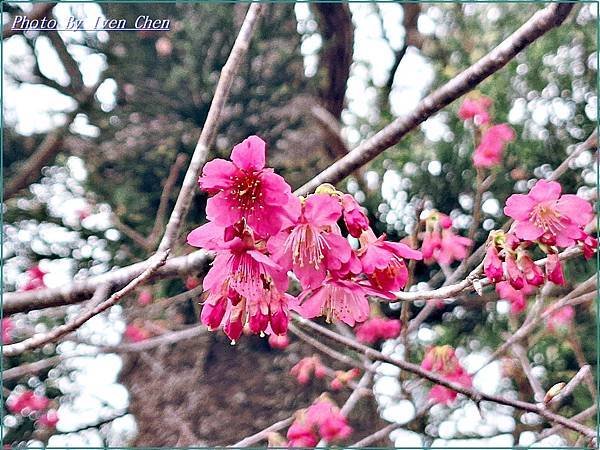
x=541, y=22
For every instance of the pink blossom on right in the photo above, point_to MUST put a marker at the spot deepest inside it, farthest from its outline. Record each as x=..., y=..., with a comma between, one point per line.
x=545, y=215
x=376, y=329
x=475, y=108
x=491, y=147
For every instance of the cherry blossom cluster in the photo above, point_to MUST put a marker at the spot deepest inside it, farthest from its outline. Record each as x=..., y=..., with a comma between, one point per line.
x=377, y=329
x=492, y=139
x=32, y=405
x=440, y=243
x=321, y=420
x=443, y=361
x=307, y=367
x=546, y=220
x=260, y=231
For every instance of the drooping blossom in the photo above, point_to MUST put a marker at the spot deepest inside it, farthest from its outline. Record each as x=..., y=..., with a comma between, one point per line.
x=545, y=215
x=8, y=326
x=475, y=108
x=384, y=262
x=279, y=342
x=36, y=279
x=313, y=245
x=491, y=147
x=516, y=297
x=144, y=297
x=27, y=402
x=322, y=419
x=344, y=300
x=343, y=377
x=244, y=285
x=244, y=189
x=442, y=360
x=561, y=319
x=307, y=367
x=440, y=243
x=554, y=270
x=134, y=333
x=49, y=419
x=355, y=219
x=492, y=264
x=589, y=246
x=377, y=328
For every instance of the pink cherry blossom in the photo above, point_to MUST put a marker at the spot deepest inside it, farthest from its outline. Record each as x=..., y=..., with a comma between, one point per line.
x=49, y=419
x=8, y=327
x=324, y=416
x=516, y=297
x=243, y=188
x=26, y=402
x=314, y=245
x=546, y=215
x=475, y=108
x=440, y=242
x=377, y=328
x=493, y=141
x=342, y=378
x=589, y=246
x=144, y=297
x=384, y=262
x=355, y=219
x=344, y=300
x=302, y=435
x=443, y=361
x=554, y=270
x=279, y=342
x=134, y=333
x=492, y=265
x=245, y=285
x=561, y=319
x=307, y=367
x=36, y=279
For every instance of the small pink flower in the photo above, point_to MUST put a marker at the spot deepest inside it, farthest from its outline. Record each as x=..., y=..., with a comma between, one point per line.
x=515, y=276
x=489, y=151
x=133, y=333
x=492, y=265
x=373, y=330
x=314, y=244
x=279, y=342
x=440, y=242
x=554, y=270
x=355, y=219
x=384, y=262
x=590, y=246
x=344, y=300
x=326, y=417
x=36, y=279
x=8, y=327
x=516, y=298
x=443, y=361
x=49, y=419
x=533, y=274
x=243, y=188
x=144, y=297
x=307, y=367
x=475, y=108
x=453, y=247
x=301, y=435
x=342, y=378
x=561, y=319
x=544, y=214
x=26, y=403
x=245, y=286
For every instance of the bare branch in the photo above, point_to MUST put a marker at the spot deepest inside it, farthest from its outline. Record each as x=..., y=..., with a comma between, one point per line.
x=72, y=325
x=541, y=22
x=264, y=434
x=209, y=130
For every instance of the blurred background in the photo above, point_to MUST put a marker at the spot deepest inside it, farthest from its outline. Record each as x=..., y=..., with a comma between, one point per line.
x=116, y=111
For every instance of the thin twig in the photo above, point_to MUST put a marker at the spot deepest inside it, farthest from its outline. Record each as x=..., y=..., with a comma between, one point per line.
x=541, y=22
x=45, y=338
x=209, y=130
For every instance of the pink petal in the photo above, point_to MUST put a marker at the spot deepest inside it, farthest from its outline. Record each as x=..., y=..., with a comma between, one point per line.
x=404, y=250
x=221, y=211
x=519, y=206
x=576, y=209
x=545, y=190
x=250, y=154
x=322, y=209
x=208, y=236
x=528, y=231
x=217, y=174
